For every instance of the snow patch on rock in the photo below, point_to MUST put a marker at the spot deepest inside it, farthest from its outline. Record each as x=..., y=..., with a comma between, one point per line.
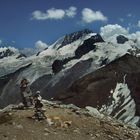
x=94, y=111
x=123, y=103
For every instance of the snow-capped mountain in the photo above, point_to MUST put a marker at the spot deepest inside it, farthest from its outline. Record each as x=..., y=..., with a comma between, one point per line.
x=10, y=52
x=10, y=60
x=80, y=68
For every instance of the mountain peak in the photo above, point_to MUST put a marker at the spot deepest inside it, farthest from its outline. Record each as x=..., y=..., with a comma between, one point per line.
x=69, y=38
x=7, y=51
x=10, y=51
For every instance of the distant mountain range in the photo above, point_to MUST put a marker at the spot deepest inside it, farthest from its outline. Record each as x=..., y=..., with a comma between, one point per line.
x=80, y=68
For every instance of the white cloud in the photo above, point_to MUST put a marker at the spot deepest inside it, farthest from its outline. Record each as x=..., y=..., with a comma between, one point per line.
x=39, y=45
x=111, y=30
x=136, y=36
x=54, y=13
x=139, y=23
x=109, y=33
x=50, y=14
x=28, y=51
x=88, y=15
x=71, y=12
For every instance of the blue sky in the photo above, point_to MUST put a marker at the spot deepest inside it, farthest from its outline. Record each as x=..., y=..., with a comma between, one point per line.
x=24, y=22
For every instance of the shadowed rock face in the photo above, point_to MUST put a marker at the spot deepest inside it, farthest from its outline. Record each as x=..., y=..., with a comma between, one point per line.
x=57, y=66
x=65, y=80
x=121, y=39
x=40, y=83
x=88, y=45
x=94, y=88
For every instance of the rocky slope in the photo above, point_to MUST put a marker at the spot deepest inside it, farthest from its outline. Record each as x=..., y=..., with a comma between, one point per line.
x=113, y=89
x=85, y=124
x=10, y=52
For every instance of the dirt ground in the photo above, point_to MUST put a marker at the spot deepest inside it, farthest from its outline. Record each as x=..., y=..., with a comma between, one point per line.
x=17, y=125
